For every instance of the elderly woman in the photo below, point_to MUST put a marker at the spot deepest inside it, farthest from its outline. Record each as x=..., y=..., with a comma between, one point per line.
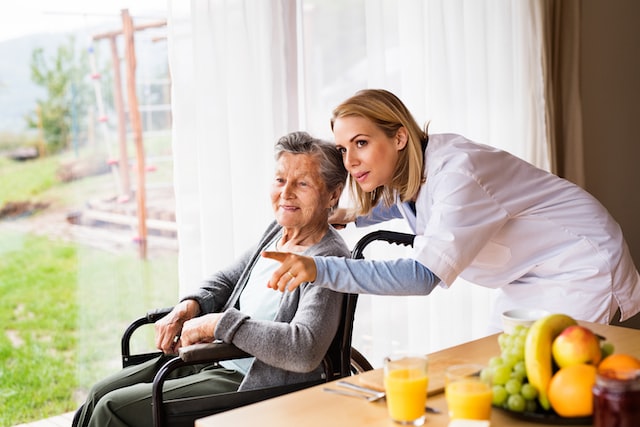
x=288, y=333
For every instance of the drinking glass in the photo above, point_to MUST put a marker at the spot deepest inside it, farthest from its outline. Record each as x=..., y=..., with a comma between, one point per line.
x=468, y=397
x=405, y=383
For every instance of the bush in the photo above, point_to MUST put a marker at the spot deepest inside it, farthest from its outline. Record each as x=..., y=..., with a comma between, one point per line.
x=10, y=141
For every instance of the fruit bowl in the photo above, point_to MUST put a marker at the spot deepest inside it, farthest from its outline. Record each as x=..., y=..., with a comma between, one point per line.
x=528, y=381
x=548, y=417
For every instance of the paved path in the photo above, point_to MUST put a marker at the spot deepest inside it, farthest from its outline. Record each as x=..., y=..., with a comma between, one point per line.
x=63, y=420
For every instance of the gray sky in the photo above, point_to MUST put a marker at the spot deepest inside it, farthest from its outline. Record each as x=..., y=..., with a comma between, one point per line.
x=23, y=17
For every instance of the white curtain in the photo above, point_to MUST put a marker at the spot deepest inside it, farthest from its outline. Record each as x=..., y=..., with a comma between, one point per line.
x=469, y=67
x=230, y=96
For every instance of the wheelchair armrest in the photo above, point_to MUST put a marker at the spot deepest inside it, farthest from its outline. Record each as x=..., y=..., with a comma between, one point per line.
x=190, y=355
x=125, y=343
x=154, y=315
x=209, y=352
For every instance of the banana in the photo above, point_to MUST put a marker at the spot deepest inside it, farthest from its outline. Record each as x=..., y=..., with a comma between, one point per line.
x=537, y=352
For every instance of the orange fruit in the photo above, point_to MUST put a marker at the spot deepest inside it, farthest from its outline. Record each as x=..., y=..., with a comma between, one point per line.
x=570, y=390
x=619, y=365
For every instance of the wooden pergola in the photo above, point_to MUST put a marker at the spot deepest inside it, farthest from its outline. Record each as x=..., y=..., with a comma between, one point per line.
x=128, y=30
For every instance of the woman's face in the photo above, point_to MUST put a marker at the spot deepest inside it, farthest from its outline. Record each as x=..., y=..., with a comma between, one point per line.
x=298, y=194
x=369, y=155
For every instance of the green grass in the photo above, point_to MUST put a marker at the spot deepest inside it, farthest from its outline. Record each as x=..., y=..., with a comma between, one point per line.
x=24, y=180
x=37, y=179
x=38, y=312
x=62, y=312
x=63, y=307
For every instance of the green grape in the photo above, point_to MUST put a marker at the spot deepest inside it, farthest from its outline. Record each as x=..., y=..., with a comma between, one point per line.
x=529, y=392
x=518, y=343
x=495, y=361
x=513, y=386
x=515, y=354
x=531, y=406
x=516, y=403
x=606, y=349
x=510, y=360
x=515, y=375
x=517, y=330
x=502, y=340
x=501, y=374
x=508, y=341
x=520, y=368
x=500, y=395
x=486, y=375
x=508, y=372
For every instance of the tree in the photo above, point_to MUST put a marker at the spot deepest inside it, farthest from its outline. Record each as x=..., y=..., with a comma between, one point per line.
x=63, y=78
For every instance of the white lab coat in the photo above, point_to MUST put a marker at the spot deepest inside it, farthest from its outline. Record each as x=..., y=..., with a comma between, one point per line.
x=497, y=221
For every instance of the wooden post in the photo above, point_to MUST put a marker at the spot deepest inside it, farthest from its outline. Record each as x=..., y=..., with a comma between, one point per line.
x=42, y=149
x=119, y=101
x=122, y=126
x=134, y=117
x=128, y=30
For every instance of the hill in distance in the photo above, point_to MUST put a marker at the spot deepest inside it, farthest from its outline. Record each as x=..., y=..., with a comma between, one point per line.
x=18, y=94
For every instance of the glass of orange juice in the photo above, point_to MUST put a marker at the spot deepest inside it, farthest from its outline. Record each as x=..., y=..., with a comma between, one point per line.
x=468, y=396
x=405, y=383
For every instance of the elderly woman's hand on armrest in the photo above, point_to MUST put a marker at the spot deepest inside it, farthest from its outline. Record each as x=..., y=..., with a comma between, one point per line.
x=169, y=328
x=199, y=329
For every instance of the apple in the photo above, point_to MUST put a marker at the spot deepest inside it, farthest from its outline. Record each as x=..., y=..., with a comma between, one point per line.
x=576, y=344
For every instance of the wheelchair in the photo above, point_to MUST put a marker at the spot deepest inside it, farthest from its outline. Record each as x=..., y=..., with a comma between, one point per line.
x=341, y=359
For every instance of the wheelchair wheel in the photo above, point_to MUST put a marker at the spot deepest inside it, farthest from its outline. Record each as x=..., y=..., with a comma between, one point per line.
x=359, y=363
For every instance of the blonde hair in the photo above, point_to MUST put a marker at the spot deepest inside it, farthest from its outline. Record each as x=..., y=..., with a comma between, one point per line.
x=387, y=112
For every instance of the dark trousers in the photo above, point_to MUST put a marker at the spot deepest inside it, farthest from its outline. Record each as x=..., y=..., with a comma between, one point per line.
x=124, y=398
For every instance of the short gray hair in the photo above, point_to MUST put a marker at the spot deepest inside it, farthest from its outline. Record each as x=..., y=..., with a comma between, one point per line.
x=332, y=169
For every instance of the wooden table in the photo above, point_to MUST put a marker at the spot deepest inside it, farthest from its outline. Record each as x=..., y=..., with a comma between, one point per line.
x=313, y=407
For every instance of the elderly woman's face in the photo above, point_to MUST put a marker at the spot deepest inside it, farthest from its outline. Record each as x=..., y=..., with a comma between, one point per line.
x=298, y=194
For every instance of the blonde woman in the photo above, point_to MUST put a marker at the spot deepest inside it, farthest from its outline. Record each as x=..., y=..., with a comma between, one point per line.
x=478, y=213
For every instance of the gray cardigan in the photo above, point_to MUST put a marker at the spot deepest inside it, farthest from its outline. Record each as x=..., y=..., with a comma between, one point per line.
x=289, y=349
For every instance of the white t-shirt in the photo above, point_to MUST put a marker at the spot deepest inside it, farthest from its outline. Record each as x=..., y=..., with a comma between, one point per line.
x=257, y=301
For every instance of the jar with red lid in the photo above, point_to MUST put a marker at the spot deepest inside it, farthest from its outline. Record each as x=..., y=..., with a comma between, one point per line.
x=616, y=399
